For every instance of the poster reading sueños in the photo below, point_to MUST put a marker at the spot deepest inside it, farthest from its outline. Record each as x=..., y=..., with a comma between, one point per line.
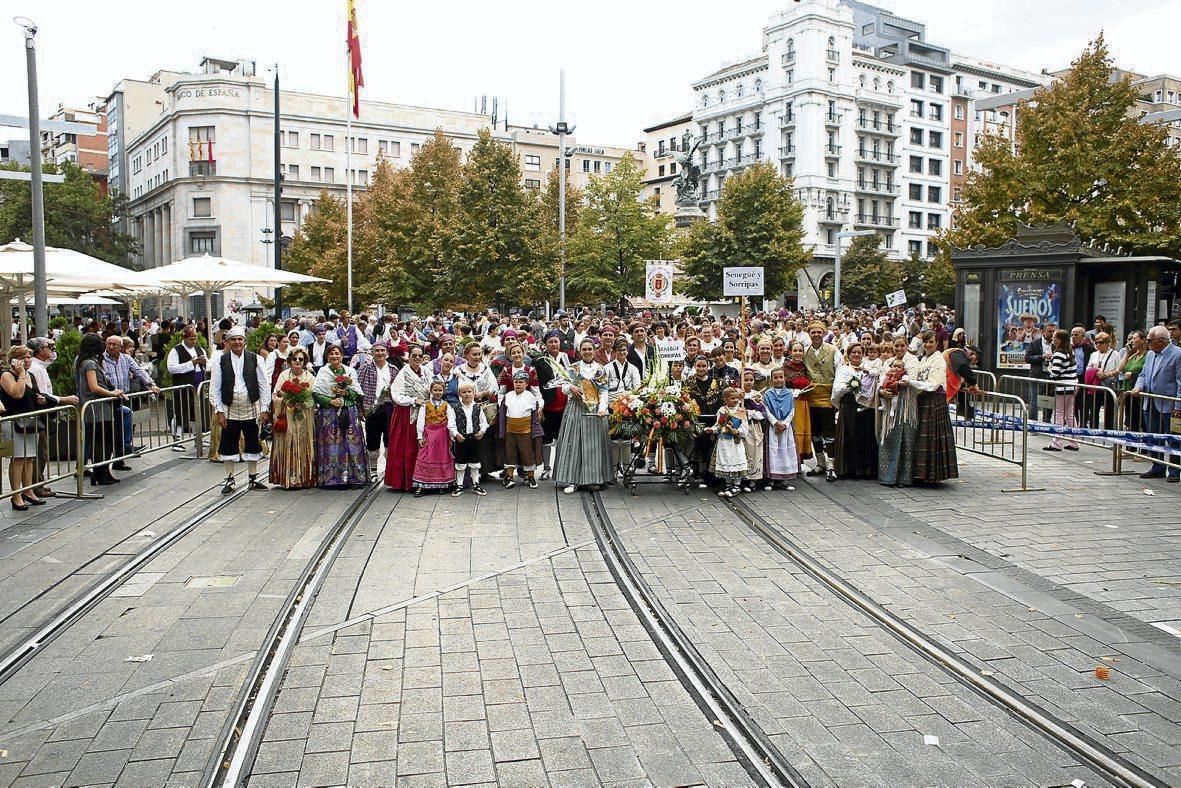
x=1042, y=300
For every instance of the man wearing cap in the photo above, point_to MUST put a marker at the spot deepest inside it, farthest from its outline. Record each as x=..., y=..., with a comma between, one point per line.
x=241, y=396
x=186, y=364
x=44, y=354
x=375, y=377
x=553, y=370
x=821, y=360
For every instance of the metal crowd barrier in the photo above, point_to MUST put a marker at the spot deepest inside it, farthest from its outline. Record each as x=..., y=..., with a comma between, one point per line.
x=1134, y=418
x=41, y=447
x=987, y=380
x=979, y=426
x=112, y=428
x=204, y=418
x=1096, y=407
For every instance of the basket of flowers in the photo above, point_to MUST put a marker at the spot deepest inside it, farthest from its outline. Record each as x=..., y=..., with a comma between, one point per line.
x=661, y=417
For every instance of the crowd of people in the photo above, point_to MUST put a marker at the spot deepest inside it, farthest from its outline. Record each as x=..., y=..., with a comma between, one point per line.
x=448, y=402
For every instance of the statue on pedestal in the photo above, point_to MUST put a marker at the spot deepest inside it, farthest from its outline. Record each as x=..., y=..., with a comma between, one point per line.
x=688, y=180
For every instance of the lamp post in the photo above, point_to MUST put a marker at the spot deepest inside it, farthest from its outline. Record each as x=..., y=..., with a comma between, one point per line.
x=37, y=191
x=836, y=283
x=562, y=129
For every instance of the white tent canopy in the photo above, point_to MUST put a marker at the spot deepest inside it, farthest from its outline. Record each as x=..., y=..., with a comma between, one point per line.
x=207, y=274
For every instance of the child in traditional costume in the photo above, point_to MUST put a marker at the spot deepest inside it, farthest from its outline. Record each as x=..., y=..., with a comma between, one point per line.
x=467, y=424
x=434, y=466
x=729, y=457
x=755, y=439
x=521, y=408
x=783, y=462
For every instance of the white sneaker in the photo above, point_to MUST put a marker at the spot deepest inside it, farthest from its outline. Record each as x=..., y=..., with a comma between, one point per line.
x=569, y=489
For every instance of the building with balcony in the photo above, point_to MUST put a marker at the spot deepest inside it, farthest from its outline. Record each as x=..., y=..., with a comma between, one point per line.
x=662, y=142
x=88, y=151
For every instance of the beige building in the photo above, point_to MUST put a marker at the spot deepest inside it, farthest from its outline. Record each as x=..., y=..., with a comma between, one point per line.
x=661, y=144
x=537, y=150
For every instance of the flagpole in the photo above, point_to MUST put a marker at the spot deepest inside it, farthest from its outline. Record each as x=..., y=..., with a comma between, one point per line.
x=348, y=174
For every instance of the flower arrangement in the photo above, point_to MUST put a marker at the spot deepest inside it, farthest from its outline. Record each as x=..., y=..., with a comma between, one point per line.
x=296, y=396
x=661, y=416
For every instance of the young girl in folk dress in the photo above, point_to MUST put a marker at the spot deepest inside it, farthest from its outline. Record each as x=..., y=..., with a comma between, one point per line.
x=755, y=439
x=729, y=458
x=434, y=468
x=783, y=462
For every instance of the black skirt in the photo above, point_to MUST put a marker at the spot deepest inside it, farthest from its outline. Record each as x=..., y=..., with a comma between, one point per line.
x=934, y=449
x=856, y=444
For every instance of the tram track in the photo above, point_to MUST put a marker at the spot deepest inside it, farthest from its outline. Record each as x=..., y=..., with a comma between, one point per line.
x=1079, y=744
x=763, y=761
x=231, y=762
x=53, y=625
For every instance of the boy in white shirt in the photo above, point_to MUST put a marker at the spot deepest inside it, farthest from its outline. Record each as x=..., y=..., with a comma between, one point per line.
x=520, y=405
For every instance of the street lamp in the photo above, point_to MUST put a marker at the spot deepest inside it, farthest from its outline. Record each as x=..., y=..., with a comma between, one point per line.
x=36, y=190
x=836, y=284
x=562, y=129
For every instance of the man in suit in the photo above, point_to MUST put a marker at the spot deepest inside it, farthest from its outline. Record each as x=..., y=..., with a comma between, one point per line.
x=1161, y=375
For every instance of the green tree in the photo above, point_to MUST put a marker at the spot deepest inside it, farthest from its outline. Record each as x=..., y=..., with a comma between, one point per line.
x=493, y=245
x=617, y=231
x=1083, y=157
x=867, y=274
x=79, y=215
x=760, y=223
x=319, y=249
x=545, y=282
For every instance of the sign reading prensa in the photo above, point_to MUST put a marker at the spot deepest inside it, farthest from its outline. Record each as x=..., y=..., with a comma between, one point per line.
x=746, y=281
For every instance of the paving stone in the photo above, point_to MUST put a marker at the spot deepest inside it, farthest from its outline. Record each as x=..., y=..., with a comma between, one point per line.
x=420, y=758
x=324, y=768
x=469, y=767
x=467, y=735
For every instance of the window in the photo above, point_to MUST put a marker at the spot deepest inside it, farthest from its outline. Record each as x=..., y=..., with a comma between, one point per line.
x=918, y=80
x=598, y=166
x=916, y=164
x=363, y=177
x=287, y=211
x=916, y=136
x=202, y=207
x=532, y=183
x=936, y=139
x=329, y=175
x=382, y=147
x=660, y=171
x=957, y=167
x=316, y=175
x=740, y=90
x=203, y=242
x=934, y=221
x=329, y=142
x=936, y=84
x=672, y=168
x=866, y=29
x=759, y=86
x=959, y=111
x=916, y=108
x=936, y=112
x=832, y=75
x=915, y=220
x=290, y=171
x=289, y=139
x=934, y=194
x=958, y=139
x=414, y=148
x=832, y=169
x=704, y=100
x=958, y=195
x=914, y=247
x=586, y=165
x=934, y=167
x=791, y=75
x=164, y=145
x=202, y=168
x=360, y=145
x=532, y=162
x=916, y=191
x=201, y=140
x=395, y=149
x=721, y=97
x=314, y=141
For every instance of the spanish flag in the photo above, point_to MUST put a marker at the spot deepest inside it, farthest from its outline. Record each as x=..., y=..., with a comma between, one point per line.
x=356, y=81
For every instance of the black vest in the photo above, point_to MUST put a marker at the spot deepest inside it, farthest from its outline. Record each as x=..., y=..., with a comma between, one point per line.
x=184, y=356
x=249, y=372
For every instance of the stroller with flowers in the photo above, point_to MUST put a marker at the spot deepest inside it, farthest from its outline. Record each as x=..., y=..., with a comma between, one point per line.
x=659, y=423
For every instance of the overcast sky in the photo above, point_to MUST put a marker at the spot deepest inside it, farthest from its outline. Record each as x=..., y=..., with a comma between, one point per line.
x=628, y=64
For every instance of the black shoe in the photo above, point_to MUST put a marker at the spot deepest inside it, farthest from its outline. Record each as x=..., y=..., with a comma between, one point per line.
x=817, y=471
x=1152, y=475
x=87, y=474
x=20, y=507
x=532, y=483
x=120, y=466
x=830, y=475
x=255, y=484
x=1051, y=448
x=478, y=490
x=107, y=480
x=419, y=492
x=1072, y=448
x=1171, y=479
x=228, y=487
x=34, y=501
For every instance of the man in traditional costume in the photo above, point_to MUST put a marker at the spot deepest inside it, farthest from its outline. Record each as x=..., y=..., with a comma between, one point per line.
x=241, y=397
x=821, y=360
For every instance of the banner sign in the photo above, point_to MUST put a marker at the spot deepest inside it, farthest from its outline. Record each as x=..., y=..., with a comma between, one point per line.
x=1041, y=300
x=658, y=282
x=745, y=281
x=670, y=350
x=897, y=298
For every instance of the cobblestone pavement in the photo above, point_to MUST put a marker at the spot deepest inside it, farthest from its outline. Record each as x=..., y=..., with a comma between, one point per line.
x=483, y=641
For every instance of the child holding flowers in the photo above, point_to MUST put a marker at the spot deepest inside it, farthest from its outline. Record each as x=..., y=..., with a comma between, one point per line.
x=341, y=458
x=729, y=457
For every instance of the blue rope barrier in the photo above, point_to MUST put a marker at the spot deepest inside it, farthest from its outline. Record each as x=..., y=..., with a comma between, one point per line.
x=1147, y=441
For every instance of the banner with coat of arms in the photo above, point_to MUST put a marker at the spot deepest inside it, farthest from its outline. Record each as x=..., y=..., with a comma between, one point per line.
x=658, y=282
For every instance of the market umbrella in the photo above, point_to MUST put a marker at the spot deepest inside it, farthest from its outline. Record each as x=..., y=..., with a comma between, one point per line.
x=207, y=274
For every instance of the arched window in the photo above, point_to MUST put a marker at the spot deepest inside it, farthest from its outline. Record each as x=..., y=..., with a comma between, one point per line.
x=758, y=86
x=831, y=42
x=861, y=80
x=877, y=84
x=791, y=47
x=705, y=99
x=740, y=90
x=830, y=211
x=890, y=86
x=721, y=97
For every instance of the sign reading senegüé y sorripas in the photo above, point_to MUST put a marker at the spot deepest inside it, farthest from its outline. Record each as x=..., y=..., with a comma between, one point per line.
x=1032, y=292
x=742, y=281
x=658, y=282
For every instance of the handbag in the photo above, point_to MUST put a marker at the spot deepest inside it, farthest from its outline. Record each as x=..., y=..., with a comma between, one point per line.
x=279, y=425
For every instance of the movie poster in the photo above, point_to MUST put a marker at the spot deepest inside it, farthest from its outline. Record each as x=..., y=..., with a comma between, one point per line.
x=1017, y=299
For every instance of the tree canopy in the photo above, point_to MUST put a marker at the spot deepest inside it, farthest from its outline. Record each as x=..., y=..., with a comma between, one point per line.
x=867, y=274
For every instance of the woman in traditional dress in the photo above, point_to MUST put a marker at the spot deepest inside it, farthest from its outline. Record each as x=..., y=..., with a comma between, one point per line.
x=583, y=448
x=934, y=452
x=899, y=417
x=801, y=420
x=856, y=447
x=293, y=450
x=782, y=460
x=341, y=457
x=763, y=363
x=409, y=391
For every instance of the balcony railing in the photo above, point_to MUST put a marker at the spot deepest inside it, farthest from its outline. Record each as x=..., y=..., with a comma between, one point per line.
x=715, y=136
x=832, y=218
x=754, y=129
x=879, y=125
x=788, y=58
x=787, y=121
x=877, y=188
x=832, y=55
x=663, y=154
x=874, y=155
x=833, y=119
x=876, y=221
x=832, y=150
x=713, y=194
x=787, y=151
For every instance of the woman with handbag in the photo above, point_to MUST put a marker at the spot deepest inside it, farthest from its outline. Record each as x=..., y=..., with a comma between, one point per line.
x=293, y=451
x=18, y=394
x=91, y=384
x=341, y=456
